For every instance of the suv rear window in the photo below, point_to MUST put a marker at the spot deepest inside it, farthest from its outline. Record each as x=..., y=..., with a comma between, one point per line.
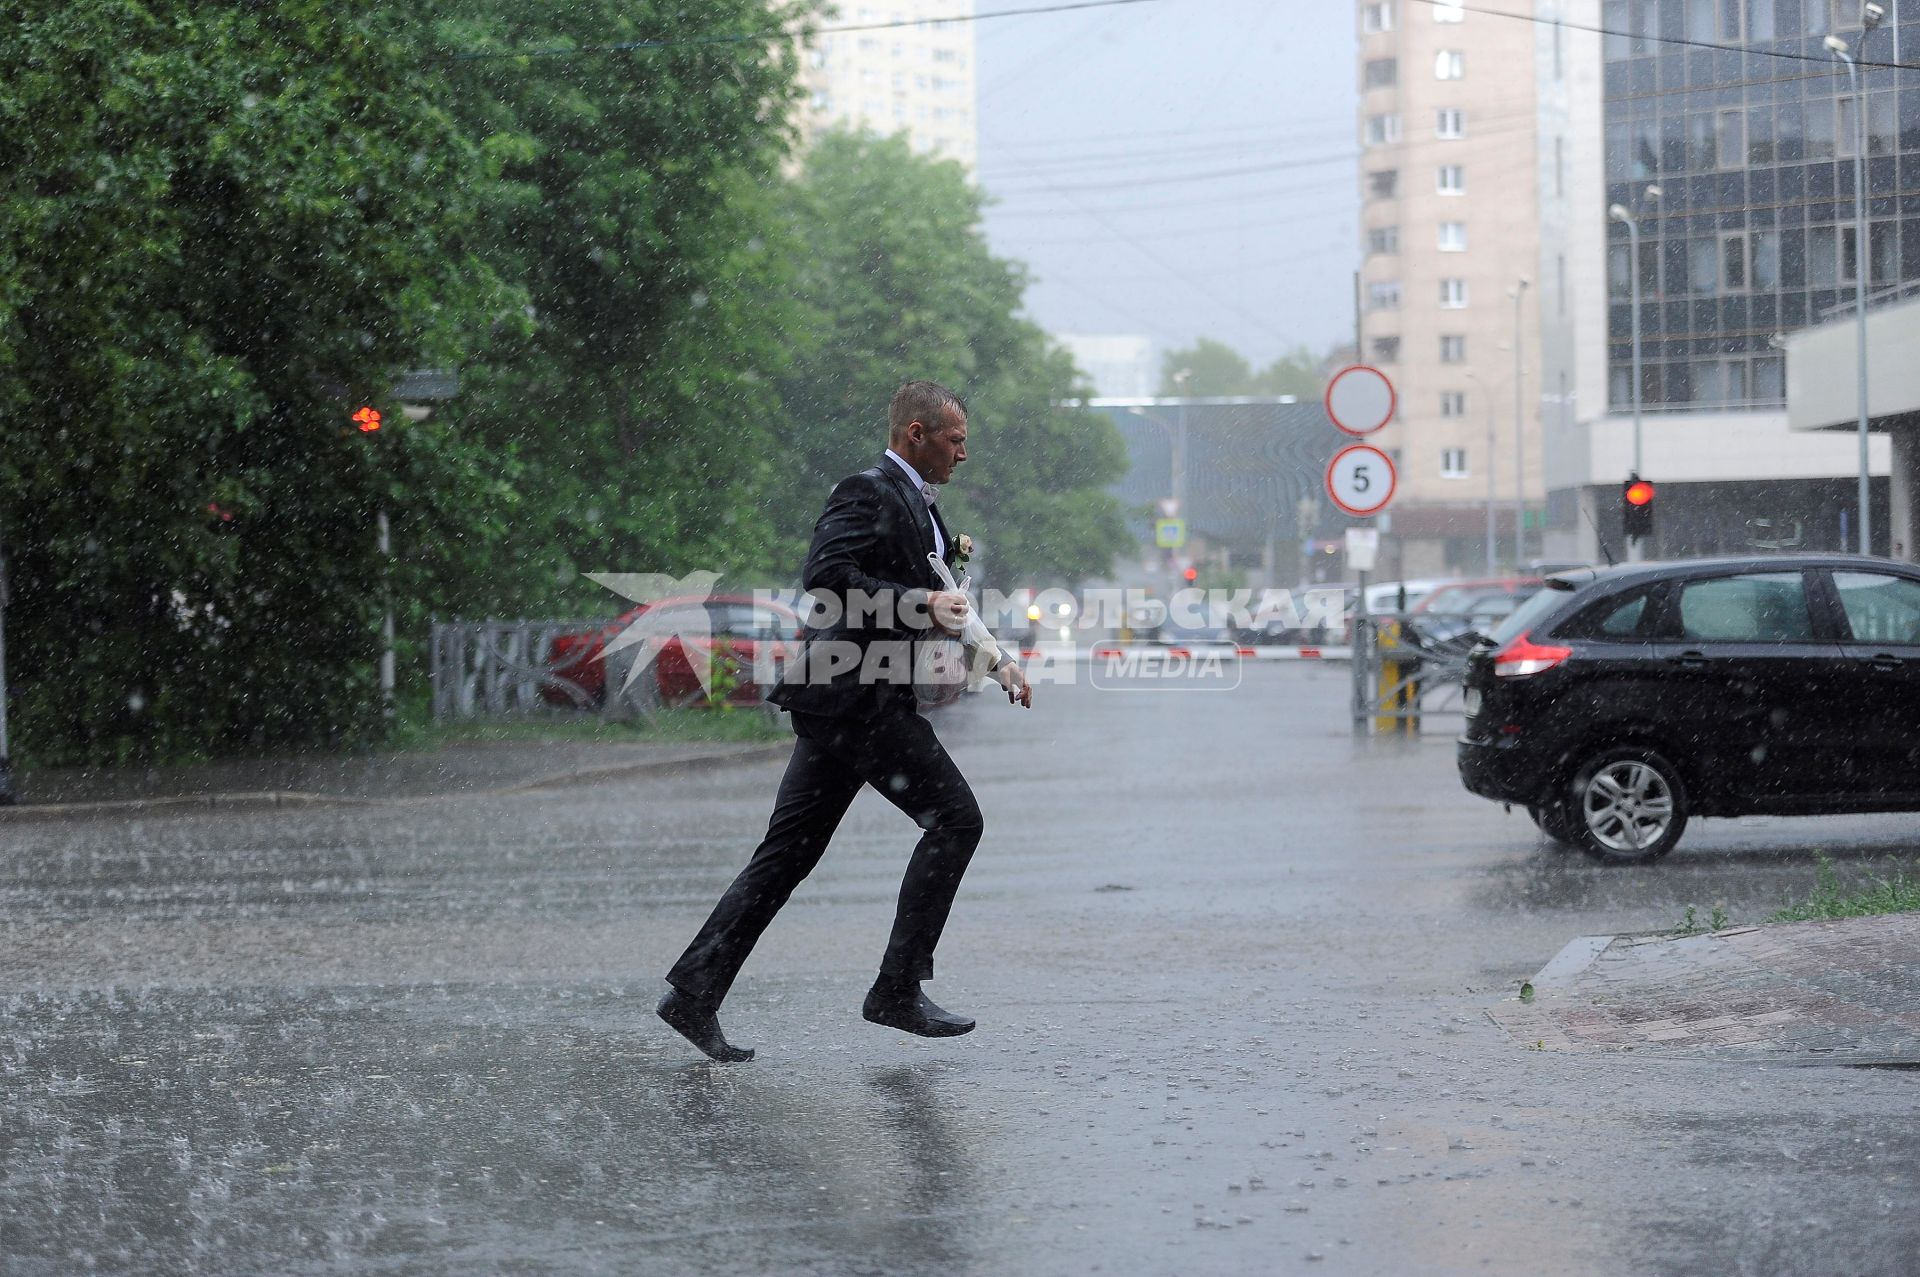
x=1764, y=607
x=1618, y=618
x=1529, y=614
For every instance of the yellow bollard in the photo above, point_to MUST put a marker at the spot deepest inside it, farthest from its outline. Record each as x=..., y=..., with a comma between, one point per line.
x=1391, y=672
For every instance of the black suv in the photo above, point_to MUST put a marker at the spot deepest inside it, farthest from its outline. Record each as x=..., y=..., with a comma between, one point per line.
x=1616, y=703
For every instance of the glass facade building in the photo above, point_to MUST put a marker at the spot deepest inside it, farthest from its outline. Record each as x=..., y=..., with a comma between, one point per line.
x=1752, y=233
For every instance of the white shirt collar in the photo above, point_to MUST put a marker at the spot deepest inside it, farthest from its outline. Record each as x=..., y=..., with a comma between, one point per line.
x=939, y=541
x=898, y=460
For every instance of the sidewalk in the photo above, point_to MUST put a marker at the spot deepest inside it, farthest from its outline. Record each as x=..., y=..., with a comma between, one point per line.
x=1835, y=991
x=467, y=768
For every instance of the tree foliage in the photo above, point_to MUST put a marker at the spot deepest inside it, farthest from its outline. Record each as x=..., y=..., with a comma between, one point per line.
x=220, y=225
x=899, y=284
x=1215, y=368
x=231, y=222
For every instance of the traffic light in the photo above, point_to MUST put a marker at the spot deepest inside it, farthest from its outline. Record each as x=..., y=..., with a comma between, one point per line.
x=1636, y=507
x=1192, y=575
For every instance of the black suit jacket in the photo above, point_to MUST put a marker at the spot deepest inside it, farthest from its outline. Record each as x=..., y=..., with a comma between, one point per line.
x=869, y=555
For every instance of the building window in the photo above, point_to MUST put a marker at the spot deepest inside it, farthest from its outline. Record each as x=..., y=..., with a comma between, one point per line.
x=1450, y=123
x=1382, y=183
x=1453, y=237
x=1453, y=403
x=1386, y=350
x=1450, y=64
x=1453, y=294
x=1453, y=463
x=1380, y=73
x=1382, y=130
x=1730, y=146
x=1703, y=265
x=1733, y=263
x=1823, y=256
x=1384, y=295
x=1452, y=179
x=1453, y=348
x=1376, y=17
x=1450, y=11
x=1383, y=239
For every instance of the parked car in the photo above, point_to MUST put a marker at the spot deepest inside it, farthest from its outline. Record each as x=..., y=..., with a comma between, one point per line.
x=736, y=629
x=1615, y=705
x=1455, y=614
x=1401, y=596
x=1188, y=637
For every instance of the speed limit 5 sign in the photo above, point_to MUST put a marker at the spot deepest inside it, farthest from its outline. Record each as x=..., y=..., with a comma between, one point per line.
x=1361, y=479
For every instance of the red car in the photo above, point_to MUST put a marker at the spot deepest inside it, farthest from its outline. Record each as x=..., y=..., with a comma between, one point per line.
x=741, y=631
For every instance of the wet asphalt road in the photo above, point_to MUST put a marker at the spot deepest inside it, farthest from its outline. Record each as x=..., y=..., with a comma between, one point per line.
x=1230, y=968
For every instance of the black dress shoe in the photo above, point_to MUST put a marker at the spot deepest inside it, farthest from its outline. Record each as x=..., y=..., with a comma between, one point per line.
x=699, y=1023
x=904, y=1007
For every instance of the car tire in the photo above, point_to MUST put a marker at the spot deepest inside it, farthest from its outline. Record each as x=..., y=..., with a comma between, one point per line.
x=1552, y=822
x=1625, y=805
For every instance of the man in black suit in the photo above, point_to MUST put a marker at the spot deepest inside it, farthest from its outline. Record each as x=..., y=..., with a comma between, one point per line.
x=851, y=700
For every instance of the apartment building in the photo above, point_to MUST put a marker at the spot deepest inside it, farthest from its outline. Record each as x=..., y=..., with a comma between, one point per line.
x=896, y=68
x=1452, y=175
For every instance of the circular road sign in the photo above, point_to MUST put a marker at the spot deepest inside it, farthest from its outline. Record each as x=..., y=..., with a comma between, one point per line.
x=1360, y=399
x=1361, y=479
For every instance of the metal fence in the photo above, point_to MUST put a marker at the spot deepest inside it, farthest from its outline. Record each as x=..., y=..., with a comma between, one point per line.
x=1405, y=668
x=500, y=668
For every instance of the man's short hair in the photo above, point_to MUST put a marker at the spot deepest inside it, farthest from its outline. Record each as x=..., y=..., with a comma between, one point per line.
x=923, y=401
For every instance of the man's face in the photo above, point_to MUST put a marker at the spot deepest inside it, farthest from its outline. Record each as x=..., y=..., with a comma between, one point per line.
x=939, y=450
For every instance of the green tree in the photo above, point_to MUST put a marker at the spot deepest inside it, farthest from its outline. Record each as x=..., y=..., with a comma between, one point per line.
x=224, y=223
x=900, y=283
x=1211, y=368
x=1295, y=373
x=636, y=200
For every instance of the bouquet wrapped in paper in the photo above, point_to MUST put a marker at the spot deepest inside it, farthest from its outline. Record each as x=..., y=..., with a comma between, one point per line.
x=945, y=668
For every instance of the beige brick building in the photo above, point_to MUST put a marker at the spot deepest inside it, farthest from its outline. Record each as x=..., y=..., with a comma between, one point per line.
x=1454, y=168
x=915, y=78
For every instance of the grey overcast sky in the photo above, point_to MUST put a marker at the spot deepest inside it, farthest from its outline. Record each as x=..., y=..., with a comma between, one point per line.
x=1114, y=141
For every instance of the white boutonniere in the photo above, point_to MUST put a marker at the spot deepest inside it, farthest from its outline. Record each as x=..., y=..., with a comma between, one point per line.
x=962, y=548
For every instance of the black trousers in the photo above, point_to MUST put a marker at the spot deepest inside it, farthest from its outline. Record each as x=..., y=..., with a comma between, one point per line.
x=898, y=754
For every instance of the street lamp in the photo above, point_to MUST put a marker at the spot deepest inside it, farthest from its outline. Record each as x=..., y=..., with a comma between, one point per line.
x=1870, y=15
x=1485, y=393
x=1519, y=438
x=1621, y=213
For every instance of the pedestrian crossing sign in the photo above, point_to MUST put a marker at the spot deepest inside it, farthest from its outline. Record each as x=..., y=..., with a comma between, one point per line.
x=1170, y=534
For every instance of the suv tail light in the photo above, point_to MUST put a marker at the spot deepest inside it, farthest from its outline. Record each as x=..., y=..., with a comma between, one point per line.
x=1523, y=657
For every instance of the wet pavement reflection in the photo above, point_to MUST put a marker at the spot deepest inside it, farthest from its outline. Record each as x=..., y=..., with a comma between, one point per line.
x=1231, y=969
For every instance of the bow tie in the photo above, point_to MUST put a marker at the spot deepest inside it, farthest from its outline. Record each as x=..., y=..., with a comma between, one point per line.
x=931, y=493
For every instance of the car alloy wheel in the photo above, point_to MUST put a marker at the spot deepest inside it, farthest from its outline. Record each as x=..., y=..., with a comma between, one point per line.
x=1626, y=805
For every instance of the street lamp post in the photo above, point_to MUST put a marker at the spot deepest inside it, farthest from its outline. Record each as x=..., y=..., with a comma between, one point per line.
x=1519, y=437
x=1484, y=392
x=1870, y=15
x=1620, y=213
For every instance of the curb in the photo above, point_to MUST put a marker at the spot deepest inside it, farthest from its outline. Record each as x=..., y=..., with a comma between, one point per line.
x=268, y=800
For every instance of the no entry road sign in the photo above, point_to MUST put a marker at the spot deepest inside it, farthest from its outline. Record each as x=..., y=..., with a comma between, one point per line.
x=1360, y=399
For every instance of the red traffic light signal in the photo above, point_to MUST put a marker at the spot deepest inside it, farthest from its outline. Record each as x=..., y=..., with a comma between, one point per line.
x=368, y=419
x=1636, y=508
x=1192, y=574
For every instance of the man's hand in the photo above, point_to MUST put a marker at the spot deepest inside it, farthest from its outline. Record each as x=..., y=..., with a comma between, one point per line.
x=948, y=610
x=1015, y=684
